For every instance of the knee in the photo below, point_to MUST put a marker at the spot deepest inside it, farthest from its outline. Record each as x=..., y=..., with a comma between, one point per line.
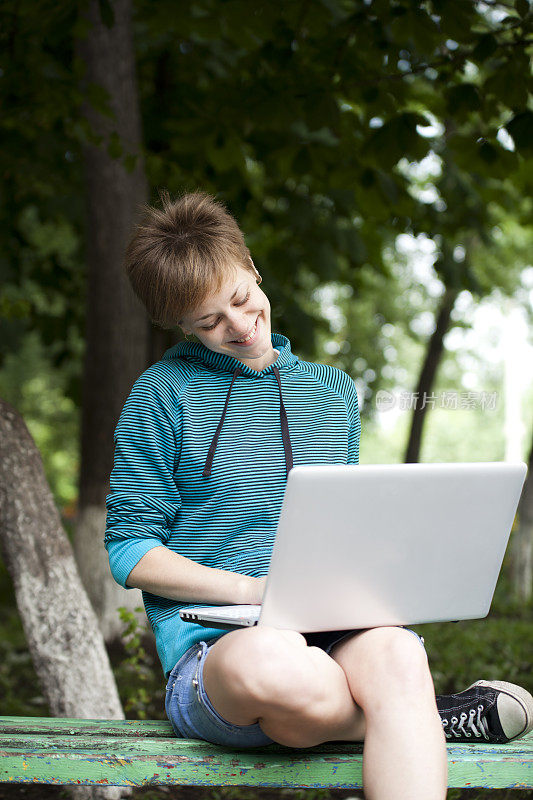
x=396, y=667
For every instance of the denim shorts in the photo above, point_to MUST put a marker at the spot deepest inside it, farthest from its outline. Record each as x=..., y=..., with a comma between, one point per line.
x=193, y=716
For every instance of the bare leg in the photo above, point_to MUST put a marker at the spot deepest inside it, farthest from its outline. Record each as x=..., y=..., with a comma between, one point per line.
x=302, y=697
x=404, y=754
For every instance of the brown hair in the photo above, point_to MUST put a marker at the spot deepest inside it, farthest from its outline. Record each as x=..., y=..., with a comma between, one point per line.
x=181, y=253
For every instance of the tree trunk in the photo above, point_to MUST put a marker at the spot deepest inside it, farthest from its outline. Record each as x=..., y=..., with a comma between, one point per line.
x=61, y=628
x=522, y=541
x=427, y=375
x=118, y=331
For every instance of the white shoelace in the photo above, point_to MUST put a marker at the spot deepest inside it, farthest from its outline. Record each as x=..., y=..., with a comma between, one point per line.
x=455, y=727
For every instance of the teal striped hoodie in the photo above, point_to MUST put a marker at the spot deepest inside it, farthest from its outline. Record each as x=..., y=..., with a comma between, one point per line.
x=202, y=451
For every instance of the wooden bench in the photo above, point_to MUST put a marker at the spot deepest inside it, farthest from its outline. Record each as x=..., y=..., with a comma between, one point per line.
x=140, y=753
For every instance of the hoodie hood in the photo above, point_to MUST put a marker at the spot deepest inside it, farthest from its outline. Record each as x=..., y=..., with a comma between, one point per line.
x=285, y=362
x=219, y=362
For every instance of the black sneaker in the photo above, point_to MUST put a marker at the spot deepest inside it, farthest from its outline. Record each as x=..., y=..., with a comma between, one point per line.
x=490, y=711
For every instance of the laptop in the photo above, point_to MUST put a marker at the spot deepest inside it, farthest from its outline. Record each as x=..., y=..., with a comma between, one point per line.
x=365, y=546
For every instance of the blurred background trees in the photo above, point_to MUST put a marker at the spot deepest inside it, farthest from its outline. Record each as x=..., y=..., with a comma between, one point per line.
x=376, y=154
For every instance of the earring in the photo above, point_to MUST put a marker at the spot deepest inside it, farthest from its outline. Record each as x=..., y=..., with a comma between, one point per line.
x=186, y=337
x=259, y=279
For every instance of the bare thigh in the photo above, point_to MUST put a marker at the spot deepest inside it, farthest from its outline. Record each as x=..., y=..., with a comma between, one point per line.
x=298, y=694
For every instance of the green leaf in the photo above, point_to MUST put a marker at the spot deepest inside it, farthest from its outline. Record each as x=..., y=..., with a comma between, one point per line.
x=388, y=187
x=508, y=86
x=322, y=136
x=12, y=306
x=488, y=152
x=398, y=138
x=485, y=47
x=521, y=130
x=463, y=98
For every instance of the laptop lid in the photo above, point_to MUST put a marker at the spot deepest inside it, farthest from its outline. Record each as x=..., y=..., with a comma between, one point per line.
x=362, y=546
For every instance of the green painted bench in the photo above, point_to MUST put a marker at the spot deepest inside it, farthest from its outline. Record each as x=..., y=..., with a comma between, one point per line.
x=141, y=753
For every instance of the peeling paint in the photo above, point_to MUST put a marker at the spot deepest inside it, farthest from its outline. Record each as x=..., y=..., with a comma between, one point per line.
x=135, y=754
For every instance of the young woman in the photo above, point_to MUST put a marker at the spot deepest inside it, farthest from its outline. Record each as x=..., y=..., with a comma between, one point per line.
x=203, y=448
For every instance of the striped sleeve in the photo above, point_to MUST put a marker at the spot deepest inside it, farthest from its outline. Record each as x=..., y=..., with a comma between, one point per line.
x=354, y=431
x=144, y=499
x=344, y=386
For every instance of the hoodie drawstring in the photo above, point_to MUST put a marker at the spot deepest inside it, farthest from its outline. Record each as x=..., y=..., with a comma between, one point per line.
x=284, y=428
x=211, y=454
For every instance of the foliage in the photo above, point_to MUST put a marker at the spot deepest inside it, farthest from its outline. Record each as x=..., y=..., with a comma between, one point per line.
x=452, y=436
x=371, y=328
x=41, y=201
x=138, y=672
x=305, y=118
x=323, y=104
x=40, y=393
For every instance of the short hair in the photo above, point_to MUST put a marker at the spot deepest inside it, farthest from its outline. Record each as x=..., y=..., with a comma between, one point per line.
x=181, y=253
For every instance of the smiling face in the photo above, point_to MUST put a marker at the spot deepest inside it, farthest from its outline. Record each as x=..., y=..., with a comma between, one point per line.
x=235, y=321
